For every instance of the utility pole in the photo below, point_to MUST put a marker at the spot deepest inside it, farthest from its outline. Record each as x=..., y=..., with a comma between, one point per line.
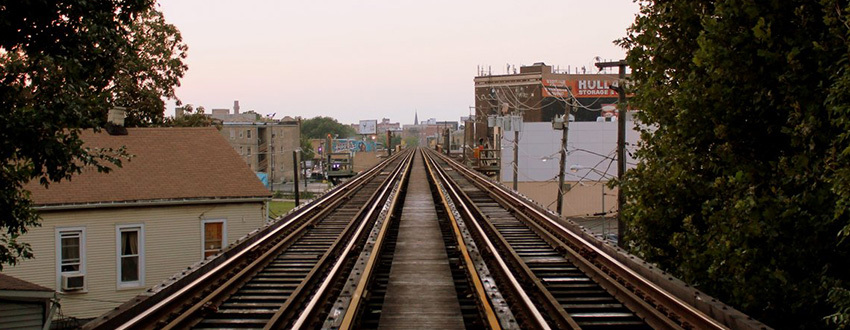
x=389, y=143
x=463, y=147
x=295, y=168
x=447, y=139
x=516, y=156
x=621, y=141
x=565, y=128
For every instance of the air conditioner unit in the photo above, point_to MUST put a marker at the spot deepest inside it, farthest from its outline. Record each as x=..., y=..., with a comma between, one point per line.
x=73, y=282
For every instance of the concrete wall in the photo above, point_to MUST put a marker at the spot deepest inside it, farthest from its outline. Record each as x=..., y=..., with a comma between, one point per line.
x=585, y=199
x=172, y=242
x=366, y=160
x=591, y=161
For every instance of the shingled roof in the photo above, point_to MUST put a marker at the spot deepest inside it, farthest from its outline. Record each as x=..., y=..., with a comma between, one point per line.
x=167, y=164
x=14, y=284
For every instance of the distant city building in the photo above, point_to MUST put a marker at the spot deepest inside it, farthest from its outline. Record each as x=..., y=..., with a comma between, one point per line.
x=539, y=94
x=429, y=130
x=266, y=146
x=108, y=237
x=385, y=125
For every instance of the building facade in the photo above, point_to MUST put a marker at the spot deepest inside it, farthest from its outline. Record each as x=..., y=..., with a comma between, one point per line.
x=266, y=146
x=538, y=94
x=106, y=237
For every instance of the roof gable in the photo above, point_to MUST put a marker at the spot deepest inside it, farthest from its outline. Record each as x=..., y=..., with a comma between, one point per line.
x=167, y=164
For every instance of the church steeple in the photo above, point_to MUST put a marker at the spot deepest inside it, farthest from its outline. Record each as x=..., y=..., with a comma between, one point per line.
x=416, y=118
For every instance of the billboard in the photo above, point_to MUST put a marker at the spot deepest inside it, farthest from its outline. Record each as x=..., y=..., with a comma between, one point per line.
x=350, y=145
x=580, y=88
x=368, y=127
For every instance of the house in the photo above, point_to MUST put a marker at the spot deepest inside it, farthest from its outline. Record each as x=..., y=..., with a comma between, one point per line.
x=25, y=305
x=104, y=238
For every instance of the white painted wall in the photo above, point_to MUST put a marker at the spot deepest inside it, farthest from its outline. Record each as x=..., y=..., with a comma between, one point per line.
x=172, y=242
x=589, y=145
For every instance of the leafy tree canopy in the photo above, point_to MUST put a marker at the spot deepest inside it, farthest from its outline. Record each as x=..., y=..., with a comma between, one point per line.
x=307, y=151
x=63, y=64
x=411, y=141
x=744, y=182
x=151, y=71
x=320, y=127
x=193, y=117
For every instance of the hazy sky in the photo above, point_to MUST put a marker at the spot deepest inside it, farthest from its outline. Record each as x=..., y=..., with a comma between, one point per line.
x=372, y=59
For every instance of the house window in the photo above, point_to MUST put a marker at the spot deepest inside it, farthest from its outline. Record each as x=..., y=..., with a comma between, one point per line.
x=232, y=134
x=249, y=151
x=131, y=261
x=214, y=236
x=70, y=252
x=248, y=132
x=240, y=134
x=241, y=152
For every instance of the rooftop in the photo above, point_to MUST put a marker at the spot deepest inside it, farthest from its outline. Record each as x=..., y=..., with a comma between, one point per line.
x=168, y=164
x=14, y=284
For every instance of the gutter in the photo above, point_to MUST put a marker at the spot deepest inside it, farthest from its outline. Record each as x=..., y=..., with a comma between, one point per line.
x=163, y=202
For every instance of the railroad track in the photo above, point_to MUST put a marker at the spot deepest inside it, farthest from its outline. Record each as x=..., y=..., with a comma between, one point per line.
x=553, y=278
x=328, y=265
x=364, y=306
x=281, y=279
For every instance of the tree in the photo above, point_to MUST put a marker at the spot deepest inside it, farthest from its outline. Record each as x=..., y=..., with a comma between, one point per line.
x=193, y=117
x=150, y=71
x=320, y=127
x=60, y=62
x=307, y=152
x=411, y=141
x=396, y=140
x=744, y=182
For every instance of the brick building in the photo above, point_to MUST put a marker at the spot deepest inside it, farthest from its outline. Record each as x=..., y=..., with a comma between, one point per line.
x=266, y=146
x=538, y=94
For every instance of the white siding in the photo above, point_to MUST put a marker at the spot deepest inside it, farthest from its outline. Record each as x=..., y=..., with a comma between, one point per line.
x=19, y=315
x=172, y=243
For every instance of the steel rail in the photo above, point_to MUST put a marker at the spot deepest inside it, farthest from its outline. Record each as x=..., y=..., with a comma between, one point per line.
x=279, y=317
x=481, y=294
x=191, y=288
x=217, y=296
x=688, y=315
x=634, y=303
x=527, y=303
x=366, y=275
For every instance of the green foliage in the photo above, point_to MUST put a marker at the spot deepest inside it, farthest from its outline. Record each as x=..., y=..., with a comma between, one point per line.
x=62, y=65
x=151, y=71
x=320, y=127
x=744, y=183
x=278, y=208
x=411, y=141
x=840, y=297
x=307, y=152
x=192, y=117
x=396, y=140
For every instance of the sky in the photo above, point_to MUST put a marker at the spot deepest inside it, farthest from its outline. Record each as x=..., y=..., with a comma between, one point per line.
x=374, y=59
